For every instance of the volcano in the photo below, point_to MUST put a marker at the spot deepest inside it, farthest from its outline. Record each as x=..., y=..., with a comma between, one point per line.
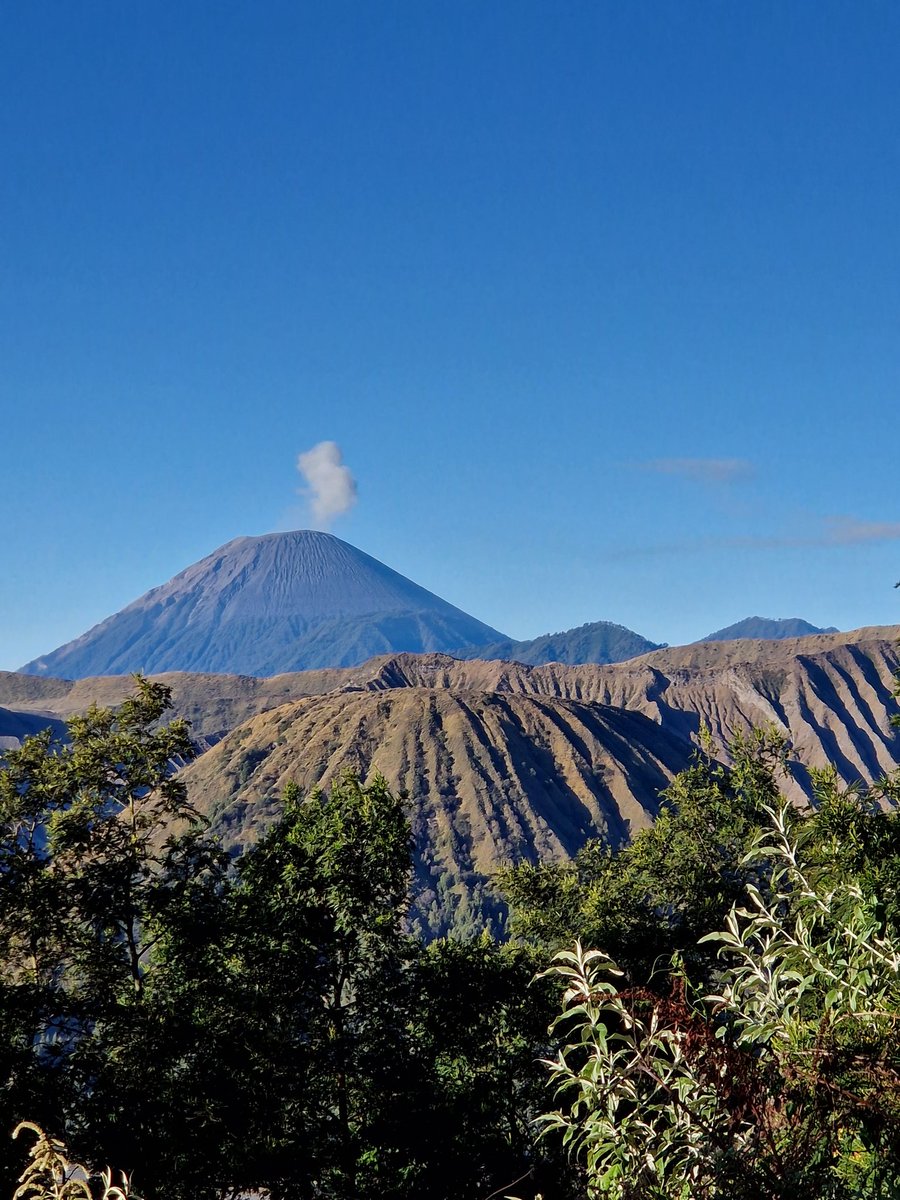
x=267, y=605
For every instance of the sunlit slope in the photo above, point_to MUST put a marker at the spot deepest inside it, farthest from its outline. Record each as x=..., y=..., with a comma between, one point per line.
x=491, y=778
x=831, y=697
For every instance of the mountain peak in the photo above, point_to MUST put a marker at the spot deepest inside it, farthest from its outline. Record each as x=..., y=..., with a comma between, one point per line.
x=766, y=628
x=269, y=604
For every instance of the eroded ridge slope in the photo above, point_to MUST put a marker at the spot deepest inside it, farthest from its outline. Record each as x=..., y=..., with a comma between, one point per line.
x=491, y=778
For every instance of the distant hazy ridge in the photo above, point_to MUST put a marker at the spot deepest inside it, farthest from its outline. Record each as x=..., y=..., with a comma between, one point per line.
x=766, y=627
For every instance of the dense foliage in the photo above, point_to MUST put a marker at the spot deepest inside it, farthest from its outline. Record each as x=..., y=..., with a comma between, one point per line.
x=771, y=1069
x=266, y=1025
x=257, y=1025
x=784, y=1084
x=675, y=882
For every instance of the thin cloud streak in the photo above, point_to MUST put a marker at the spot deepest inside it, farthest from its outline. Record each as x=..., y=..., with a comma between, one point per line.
x=848, y=531
x=701, y=470
x=839, y=532
x=704, y=545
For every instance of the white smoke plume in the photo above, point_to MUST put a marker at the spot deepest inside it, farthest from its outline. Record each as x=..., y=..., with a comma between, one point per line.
x=331, y=488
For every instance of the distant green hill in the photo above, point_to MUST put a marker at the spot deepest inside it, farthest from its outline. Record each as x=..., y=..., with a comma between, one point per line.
x=766, y=628
x=597, y=642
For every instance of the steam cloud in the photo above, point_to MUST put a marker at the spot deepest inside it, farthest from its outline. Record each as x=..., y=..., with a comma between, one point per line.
x=331, y=488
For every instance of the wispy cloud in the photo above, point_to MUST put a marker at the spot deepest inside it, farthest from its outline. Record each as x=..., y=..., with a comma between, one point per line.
x=704, y=545
x=849, y=531
x=834, y=532
x=330, y=486
x=701, y=470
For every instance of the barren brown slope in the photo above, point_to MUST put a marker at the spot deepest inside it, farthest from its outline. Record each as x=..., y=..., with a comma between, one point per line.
x=762, y=650
x=17, y=689
x=832, y=694
x=214, y=704
x=834, y=704
x=491, y=778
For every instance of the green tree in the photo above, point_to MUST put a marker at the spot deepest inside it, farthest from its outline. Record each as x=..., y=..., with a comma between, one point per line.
x=87, y=845
x=266, y=1019
x=477, y=1028
x=322, y=1053
x=784, y=1084
x=280, y=1003
x=675, y=881
x=99, y=849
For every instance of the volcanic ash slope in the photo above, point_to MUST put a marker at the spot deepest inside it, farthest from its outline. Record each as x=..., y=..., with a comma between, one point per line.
x=491, y=778
x=831, y=695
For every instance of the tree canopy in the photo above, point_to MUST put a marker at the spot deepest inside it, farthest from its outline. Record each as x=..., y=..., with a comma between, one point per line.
x=265, y=1023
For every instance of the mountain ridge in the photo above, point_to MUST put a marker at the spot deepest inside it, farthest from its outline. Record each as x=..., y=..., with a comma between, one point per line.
x=481, y=745
x=827, y=692
x=593, y=642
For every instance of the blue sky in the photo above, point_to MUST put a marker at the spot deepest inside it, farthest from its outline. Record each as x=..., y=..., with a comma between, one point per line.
x=601, y=302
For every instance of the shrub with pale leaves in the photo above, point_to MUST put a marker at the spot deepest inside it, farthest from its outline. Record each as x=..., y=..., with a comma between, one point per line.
x=786, y=1083
x=50, y=1175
